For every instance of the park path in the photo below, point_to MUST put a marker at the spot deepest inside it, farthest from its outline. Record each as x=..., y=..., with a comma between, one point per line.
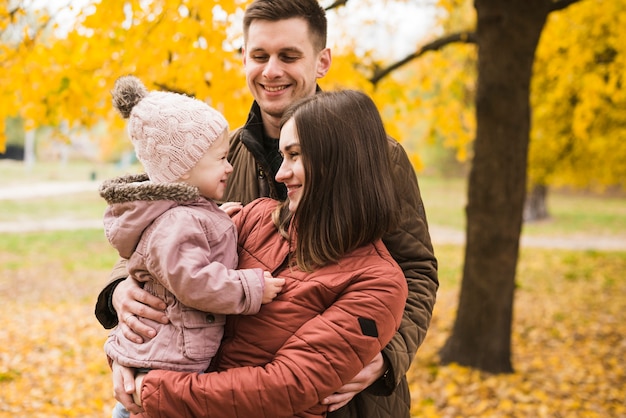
x=440, y=234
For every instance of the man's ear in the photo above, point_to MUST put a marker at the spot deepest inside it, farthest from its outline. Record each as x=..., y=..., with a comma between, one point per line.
x=323, y=62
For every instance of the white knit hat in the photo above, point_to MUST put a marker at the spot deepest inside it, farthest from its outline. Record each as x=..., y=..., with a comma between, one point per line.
x=171, y=132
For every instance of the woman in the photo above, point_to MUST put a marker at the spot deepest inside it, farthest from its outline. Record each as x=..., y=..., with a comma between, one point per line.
x=343, y=296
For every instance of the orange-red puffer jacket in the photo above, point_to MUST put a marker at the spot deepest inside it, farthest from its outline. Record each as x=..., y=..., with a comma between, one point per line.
x=322, y=329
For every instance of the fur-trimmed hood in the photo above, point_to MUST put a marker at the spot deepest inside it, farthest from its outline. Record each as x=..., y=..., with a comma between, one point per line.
x=133, y=187
x=135, y=203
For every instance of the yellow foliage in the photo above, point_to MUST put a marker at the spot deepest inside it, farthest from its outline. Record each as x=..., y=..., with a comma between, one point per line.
x=568, y=345
x=568, y=342
x=190, y=48
x=170, y=47
x=579, y=128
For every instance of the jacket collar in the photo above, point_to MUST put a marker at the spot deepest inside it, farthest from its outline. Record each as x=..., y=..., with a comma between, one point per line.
x=134, y=187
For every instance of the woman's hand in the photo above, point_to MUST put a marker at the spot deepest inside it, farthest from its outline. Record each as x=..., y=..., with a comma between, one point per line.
x=124, y=387
x=370, y=373
x=137, y=392
x=130, y=302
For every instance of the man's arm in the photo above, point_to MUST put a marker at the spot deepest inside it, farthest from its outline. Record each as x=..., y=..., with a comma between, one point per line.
x=411, y=247
x=322, y=354
x=105, y=312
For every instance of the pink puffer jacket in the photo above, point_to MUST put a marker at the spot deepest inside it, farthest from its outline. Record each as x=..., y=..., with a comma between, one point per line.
x=182, y=247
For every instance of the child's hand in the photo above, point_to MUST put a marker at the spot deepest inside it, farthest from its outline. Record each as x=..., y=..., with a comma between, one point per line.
x=231, y=208
x=273, y=286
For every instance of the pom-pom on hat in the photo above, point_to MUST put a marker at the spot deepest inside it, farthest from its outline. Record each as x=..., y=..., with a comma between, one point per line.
x=171, y=132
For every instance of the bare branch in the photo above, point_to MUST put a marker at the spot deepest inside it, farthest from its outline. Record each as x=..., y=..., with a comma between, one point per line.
x=561, y=4
x=465, y=37
x=165, y=87
x=336, y=4
x=468, y=37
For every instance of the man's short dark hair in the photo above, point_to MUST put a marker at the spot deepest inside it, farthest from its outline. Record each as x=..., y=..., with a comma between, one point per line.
x=275, y=10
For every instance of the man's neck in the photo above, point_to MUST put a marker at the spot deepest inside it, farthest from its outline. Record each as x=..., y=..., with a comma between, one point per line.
x=271, y=126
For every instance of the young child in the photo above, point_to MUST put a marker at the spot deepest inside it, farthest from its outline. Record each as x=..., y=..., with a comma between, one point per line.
x=179, y=244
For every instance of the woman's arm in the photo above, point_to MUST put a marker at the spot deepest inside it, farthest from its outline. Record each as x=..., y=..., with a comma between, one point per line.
x=124, y=387
x=326, y=352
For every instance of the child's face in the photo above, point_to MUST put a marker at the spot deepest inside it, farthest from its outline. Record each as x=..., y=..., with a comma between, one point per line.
x=210, y=174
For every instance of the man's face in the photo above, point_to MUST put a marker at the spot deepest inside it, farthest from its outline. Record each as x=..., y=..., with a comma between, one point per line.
x=282, y=64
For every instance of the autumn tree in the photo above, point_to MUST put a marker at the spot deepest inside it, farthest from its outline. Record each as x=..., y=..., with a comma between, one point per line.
x=507, y=34
x=65, y=80
x=569, y=134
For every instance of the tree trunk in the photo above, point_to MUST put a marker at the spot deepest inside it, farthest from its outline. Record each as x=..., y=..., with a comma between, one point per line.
x=535, y=206
x=29, y=149
x=507, y=35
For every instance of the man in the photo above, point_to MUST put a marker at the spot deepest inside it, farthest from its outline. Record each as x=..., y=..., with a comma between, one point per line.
x=284, y=54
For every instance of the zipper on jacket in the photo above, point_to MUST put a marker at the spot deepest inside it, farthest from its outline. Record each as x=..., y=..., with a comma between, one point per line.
x=264, y=186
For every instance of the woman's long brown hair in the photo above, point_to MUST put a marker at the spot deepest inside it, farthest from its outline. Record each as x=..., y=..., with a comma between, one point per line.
x=348, y=197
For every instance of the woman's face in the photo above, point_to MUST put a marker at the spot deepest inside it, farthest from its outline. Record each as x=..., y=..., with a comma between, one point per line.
x=291, y=171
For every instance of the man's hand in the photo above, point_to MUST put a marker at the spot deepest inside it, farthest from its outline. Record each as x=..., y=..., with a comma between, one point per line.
x=124, y=387
x=130, y=302
x=361, y=381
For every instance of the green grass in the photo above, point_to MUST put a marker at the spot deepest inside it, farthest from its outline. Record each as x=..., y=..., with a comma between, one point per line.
x=444, y=200
x=571, y=213
x=15, y=172
x=80, y=206
x=68, y=251
x=582, y=214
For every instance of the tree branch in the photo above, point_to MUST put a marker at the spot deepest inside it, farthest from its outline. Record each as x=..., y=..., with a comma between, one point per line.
x=468, y=37
x=561, y=4
x=336, y=4
x=165, y=87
